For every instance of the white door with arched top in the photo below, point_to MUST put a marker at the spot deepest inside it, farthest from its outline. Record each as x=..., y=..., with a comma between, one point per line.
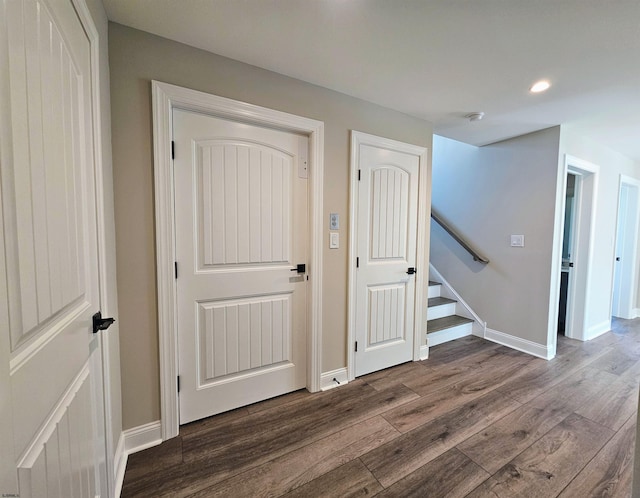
x=241, y=232
x=51, y=386
x=386, y=225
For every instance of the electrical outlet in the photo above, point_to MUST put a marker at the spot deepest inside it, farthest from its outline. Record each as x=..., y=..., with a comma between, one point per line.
x=334, y=221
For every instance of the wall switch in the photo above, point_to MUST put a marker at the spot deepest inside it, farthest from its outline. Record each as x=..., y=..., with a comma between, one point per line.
x=517, y=241
x=334, y=240
x=334, y=221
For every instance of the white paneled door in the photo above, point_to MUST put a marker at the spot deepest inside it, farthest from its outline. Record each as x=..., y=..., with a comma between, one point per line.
x=241, y=230
x=48, y=259
x=386, y=234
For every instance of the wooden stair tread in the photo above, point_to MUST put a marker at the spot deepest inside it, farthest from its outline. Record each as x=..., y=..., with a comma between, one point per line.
x=438, y=301
x=446, y=322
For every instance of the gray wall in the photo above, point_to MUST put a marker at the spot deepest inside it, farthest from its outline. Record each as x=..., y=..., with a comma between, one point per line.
x=487, y=194
x=135, y=59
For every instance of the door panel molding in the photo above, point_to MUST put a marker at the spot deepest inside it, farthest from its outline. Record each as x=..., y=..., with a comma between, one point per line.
x=165, y=98
x=359, y=139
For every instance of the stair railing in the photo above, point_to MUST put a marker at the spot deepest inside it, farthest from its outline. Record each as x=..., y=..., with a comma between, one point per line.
x=458, y=238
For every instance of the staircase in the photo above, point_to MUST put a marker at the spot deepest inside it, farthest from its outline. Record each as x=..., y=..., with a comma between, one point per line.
x=443, y=324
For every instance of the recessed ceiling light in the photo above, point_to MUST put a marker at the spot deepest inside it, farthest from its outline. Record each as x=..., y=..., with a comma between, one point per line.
x=540, y=86
x=475, y=116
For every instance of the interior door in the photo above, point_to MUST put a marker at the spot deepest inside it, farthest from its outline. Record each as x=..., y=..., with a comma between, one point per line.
x=387, y=217
x=624, y=269
x=241, y=230
x=50, y=250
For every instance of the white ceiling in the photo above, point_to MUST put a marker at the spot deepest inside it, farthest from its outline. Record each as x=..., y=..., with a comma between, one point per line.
x=435, y=59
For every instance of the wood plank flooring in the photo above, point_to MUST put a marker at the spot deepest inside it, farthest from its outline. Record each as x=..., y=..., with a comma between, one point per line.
x=476, y=419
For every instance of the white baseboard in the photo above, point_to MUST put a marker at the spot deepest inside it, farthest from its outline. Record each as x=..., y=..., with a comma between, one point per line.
x=120, y=465
x=424, y=352
x=327, y=379
x=597, y=330
x=142, y=437
x=532, y=348
x=636, y=312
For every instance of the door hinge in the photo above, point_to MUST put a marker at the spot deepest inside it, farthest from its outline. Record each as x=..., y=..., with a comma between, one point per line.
x=358, y=175
x=173, y=149
x=358, y=262
x=356, y=346
x=178, y=383
x=175, y=268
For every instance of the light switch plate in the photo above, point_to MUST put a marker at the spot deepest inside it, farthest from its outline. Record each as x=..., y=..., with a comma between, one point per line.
x=334, y=221
x=517, y=241
x=334, y=240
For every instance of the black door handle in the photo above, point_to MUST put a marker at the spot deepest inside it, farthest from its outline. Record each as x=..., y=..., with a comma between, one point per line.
x=100, y=323
x=618, y=258
x=300, y=268
x=411, y=271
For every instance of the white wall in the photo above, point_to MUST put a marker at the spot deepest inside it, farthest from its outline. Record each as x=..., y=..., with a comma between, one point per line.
x=612, y=165
x=487, y=194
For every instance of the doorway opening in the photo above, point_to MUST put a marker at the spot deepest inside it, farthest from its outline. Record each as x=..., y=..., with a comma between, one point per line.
x=575, y=220
x=568, y=243
x=624, y=269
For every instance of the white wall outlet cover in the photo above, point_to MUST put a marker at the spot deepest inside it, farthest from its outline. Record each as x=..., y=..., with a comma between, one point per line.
x=334, y=221
x=334, y=240
x=517, y=241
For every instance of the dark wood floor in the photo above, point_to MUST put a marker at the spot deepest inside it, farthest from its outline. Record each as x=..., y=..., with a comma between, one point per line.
x=476, y=419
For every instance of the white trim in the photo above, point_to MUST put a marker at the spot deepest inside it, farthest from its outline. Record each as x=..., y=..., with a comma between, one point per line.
x=104, y=269
x=597, y=330
x=424, y=352
x=636, y=313
x=574, y=165
x=120, y=465
x=165, y=98
x=479, y=325
x=142, y=437
x=359, y=138
x=532, y=348
x=327, y=379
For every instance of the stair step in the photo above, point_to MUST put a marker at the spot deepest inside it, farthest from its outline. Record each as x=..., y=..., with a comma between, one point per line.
x=434, y=289
x=446, y=322
x=439, y=301
x=448, y=328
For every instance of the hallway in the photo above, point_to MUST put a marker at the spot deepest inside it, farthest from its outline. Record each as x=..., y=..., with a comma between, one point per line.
x=476, y=419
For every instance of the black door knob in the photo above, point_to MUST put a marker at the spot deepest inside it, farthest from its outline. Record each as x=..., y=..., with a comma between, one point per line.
x=100, y=323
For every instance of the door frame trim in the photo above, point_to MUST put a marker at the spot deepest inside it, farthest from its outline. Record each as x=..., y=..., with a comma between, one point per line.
x=165, y=98
x=359, y=138
x=584, y=255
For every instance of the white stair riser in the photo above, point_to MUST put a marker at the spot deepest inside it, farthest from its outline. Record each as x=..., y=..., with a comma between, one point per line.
x=434, y=291
x=450, y=334
x=441, y=311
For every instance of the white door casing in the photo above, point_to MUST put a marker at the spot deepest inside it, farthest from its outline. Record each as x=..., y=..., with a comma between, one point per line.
x=241, y=229
x=587, y=179
x=166, y=98
x=384, y=245
x=50, y=262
